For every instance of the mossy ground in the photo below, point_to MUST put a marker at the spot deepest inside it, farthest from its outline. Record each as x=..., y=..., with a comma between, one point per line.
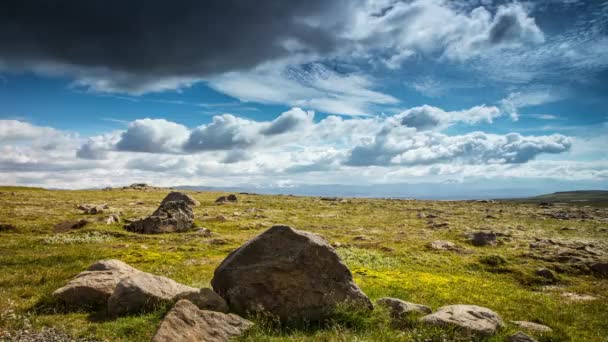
x=391, y=259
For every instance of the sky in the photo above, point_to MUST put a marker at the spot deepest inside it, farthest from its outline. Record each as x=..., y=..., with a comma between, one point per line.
x=474, y=95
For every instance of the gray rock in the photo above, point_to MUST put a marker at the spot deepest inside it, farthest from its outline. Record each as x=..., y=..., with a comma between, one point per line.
x=531, y=326
x=172, y=216
x=547, y=274
x=441, y=245
x=180, y=196
x=205, y=299
x=142, y=291
x=520, y=337
x=400, y=309
x=93, y=209
x=227, y=199
x=470, y=318
x=187, y=323
x=114, y=218
x=483, y=238
x=291, y=274
x=600, y=268
x=93, y=287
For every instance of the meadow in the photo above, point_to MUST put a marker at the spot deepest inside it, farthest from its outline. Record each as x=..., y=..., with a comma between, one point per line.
x=384, y=242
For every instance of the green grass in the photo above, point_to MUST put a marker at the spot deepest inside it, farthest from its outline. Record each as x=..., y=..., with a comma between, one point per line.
x=393, y=261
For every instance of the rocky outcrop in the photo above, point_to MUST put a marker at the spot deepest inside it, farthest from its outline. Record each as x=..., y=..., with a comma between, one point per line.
x=180, y=196
x=187, y=323
x=172, y=216
x=142, y=291
x=93, y=287
x=291, y=274
x=472, y=319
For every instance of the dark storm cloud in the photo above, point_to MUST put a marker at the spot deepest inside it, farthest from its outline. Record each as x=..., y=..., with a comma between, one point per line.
x=163, y=38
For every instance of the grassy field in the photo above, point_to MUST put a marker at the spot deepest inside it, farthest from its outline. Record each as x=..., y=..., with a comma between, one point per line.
x=384, y=243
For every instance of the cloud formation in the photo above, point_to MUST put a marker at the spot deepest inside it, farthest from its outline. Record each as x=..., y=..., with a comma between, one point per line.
x=152, y=47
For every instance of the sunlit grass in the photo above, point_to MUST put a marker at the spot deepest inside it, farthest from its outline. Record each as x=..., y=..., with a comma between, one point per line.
x=392, y=260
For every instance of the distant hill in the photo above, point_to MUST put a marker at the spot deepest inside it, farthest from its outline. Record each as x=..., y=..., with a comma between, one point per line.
x=591, y=197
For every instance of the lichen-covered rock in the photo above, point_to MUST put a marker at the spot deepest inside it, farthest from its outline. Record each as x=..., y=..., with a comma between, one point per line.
x=291, y=274
x=205, y=299
x=142, y=292
x=172, y=216
x=187, y=323
x=180, y=196
x=470, y=318
x=94, y=286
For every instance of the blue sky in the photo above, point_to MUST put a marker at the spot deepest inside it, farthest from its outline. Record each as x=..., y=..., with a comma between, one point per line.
x=354, y=93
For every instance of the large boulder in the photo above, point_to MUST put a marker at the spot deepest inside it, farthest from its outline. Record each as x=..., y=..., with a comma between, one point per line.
x=287, y=273
x=180, y=196
x=187, y=323
x=470, y=318
x=172, y=216
x=142, y=291
x=93, y=287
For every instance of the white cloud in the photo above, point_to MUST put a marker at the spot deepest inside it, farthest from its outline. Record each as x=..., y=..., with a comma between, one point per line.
x=15, y=130
x=527, y=98
x=232, y=151
x=312, y=86
x=152, y=135
x=226, y=132
x=427, y=117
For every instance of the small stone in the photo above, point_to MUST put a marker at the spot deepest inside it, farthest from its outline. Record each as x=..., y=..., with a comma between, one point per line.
x=441, y=245
x=5, y=227
x=520, y=337
x=483, y=238
x=531, y=326
x=399, y=309
x=227, y=199
x=547, y=274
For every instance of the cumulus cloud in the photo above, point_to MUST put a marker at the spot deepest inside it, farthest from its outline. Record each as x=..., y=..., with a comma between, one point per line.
x=15, y=130
x=152, y=135
x=474, y=148
x=427, y=117
x=225, y=132
x=331, y=150
x=291, y=120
